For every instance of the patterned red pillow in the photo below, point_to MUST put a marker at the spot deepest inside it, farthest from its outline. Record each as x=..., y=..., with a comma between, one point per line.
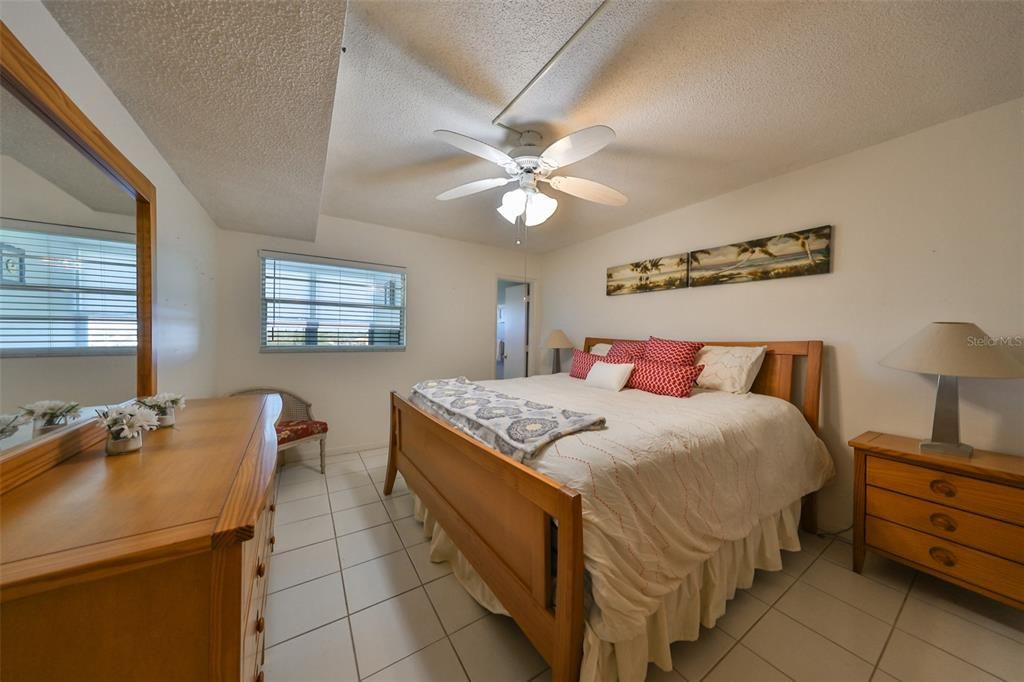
x=626, y=351
x=675, y=352
x=581, y=363
x=664, y=378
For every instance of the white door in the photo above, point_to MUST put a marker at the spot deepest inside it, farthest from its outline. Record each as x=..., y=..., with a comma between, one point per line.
x=514, y=316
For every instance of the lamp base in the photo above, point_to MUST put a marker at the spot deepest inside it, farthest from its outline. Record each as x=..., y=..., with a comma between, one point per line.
x=556, y=361
x=935, y=447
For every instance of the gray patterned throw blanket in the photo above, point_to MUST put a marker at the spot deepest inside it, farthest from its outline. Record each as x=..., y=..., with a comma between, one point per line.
x=513, y=426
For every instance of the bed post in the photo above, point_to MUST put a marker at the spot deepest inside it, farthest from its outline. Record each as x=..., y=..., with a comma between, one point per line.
x=569, y=581
x=392, y=470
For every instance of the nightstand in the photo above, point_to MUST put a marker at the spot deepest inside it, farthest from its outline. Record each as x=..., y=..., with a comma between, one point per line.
x=959, y=519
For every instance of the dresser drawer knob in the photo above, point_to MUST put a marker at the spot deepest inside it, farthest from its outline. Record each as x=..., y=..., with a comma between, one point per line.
x=272, y=540
x=943, y=521
x=259, y=676
x=261, y=569
x=260, y=624
x=943, y=556
x=273, y=507
x=941, y=487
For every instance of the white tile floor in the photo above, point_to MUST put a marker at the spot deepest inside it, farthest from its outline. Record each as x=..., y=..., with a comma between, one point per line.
x=354, y=596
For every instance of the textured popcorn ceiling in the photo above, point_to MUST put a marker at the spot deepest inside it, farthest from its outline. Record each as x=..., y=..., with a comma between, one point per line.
x=705, y=97
x=236, y=95
x=29, y=140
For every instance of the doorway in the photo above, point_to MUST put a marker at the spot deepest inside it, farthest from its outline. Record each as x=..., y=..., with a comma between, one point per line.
x=512, y=335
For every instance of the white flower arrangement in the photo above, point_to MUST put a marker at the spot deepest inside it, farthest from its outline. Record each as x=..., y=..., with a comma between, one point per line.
x=162, y=403
x=52, y=412
x=128, y=421
x=10, y=423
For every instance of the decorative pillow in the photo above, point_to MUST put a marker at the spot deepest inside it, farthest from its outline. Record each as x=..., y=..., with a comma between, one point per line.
x=730, y=368
x=664, y=378
x=600, y=349
x=581, y=363
x=675, y=352
x=610, y=376
x=627, y=350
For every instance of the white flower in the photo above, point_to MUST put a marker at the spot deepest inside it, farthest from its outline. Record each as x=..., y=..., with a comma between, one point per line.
x=9, y=423
x=52, y=411
x=163, y=402
x=128, y=421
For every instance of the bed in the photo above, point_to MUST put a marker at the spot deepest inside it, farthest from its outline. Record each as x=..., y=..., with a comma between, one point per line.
x=677, y=502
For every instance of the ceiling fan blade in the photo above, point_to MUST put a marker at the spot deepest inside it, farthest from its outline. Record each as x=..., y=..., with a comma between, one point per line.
x=577, y=146
x=476, y=147
x=473, y=188
x=589, y=190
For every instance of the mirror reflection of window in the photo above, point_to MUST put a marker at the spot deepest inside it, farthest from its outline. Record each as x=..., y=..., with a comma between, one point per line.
x=68, y=329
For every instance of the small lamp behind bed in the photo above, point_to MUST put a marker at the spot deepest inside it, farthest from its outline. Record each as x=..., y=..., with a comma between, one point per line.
x=557, y=340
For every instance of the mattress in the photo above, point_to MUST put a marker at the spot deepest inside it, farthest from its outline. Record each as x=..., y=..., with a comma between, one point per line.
x=668, y=483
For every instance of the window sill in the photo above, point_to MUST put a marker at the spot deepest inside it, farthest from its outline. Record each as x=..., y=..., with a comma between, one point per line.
x=332, y=349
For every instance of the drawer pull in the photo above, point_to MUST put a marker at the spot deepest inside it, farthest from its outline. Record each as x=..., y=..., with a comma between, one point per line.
x=273, y=507
x=943, y=556
x=944, y=488
x=943, y=521
x=260, y=624
x=272, y=539
x=261, y=569
x=259, y=676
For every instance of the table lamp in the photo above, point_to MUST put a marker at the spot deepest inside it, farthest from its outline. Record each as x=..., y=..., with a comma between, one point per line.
x=952, y=350
x=557, y=340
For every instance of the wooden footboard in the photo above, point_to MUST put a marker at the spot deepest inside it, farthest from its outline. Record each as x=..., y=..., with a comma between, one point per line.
x=501, y=515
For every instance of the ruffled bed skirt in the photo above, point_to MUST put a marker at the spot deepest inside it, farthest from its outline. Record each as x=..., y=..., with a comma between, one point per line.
x=699, y=600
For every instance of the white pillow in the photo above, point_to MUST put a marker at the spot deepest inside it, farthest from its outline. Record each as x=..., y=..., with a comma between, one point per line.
x=600, y=349
x=608, y=376
x=729, y=368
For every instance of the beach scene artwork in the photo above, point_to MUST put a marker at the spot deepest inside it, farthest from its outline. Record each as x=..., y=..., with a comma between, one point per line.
x=792, y=254
x=655, y=274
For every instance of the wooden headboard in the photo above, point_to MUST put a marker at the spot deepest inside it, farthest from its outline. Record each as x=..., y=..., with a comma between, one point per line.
x=777, y=371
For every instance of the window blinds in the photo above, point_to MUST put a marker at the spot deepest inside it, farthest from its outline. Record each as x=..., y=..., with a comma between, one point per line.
x=66, y=290
x=314, y=303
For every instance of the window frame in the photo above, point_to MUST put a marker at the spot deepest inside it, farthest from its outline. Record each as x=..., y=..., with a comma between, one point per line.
x=264, y=254
x=60, y=229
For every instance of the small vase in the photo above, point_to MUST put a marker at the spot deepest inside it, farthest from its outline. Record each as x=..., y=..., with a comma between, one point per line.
x=120, y=446
x=40, y=427
x=166, y=419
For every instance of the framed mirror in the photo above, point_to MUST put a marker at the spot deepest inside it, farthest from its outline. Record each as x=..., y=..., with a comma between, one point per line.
x=77, y=223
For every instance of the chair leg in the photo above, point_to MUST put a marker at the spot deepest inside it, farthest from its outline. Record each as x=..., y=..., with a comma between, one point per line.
x=323, y=455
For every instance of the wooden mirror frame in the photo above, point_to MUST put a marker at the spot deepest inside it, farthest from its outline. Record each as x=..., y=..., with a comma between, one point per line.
x=28, y=81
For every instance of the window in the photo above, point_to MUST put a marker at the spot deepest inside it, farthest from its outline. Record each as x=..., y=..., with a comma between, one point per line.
x=326, y=304
x=66, y=290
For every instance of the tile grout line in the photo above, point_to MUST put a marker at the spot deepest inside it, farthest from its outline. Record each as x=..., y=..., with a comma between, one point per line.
x=344, y=591
x=892, y=629
x=947, y=652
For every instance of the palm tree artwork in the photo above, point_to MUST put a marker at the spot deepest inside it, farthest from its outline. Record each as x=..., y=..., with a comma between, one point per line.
x=791, y=254
x=652, y=274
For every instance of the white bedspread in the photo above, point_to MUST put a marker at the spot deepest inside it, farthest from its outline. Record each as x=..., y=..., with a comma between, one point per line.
x=668, y=482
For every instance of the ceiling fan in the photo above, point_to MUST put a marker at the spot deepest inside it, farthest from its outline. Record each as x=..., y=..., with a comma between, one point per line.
x=528, y=165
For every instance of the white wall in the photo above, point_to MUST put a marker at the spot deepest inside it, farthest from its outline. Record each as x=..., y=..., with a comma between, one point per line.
x=451, y=309
x=928, y=227
x=186, y=236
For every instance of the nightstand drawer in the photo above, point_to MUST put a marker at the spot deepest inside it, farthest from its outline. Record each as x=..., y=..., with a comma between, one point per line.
x=980, y=532
x=978, y=568
x=989, y=499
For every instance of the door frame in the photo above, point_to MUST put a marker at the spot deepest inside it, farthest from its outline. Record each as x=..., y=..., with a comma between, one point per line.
x=532, y=296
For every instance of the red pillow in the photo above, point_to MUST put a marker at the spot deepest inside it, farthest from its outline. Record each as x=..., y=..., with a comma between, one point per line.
x=664, y=378
x=626, y=351
x=675, y=352
x=582, y=363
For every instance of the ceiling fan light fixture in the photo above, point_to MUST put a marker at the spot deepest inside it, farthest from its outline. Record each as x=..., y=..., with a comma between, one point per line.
x=513, y=204
x=539, y=207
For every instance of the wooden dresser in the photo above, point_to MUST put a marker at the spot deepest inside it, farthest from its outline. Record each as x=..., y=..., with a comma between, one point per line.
x=146, y=566
x=960, y=519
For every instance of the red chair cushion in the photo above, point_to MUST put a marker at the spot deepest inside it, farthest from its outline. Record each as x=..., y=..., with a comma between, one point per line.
x=297, y=429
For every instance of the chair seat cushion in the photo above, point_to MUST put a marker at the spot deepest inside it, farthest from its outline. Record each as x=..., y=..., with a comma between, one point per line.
x=297, y=429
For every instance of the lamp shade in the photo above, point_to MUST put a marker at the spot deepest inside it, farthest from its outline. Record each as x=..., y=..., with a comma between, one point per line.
x=558, y=339
x=958, y=349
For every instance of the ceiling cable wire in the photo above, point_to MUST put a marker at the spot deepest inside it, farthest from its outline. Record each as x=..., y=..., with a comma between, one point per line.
x=544, y=69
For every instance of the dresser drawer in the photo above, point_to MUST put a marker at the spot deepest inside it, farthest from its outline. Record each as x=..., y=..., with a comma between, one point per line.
x=970, y=565
x=980, y=532
x=981, y=497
